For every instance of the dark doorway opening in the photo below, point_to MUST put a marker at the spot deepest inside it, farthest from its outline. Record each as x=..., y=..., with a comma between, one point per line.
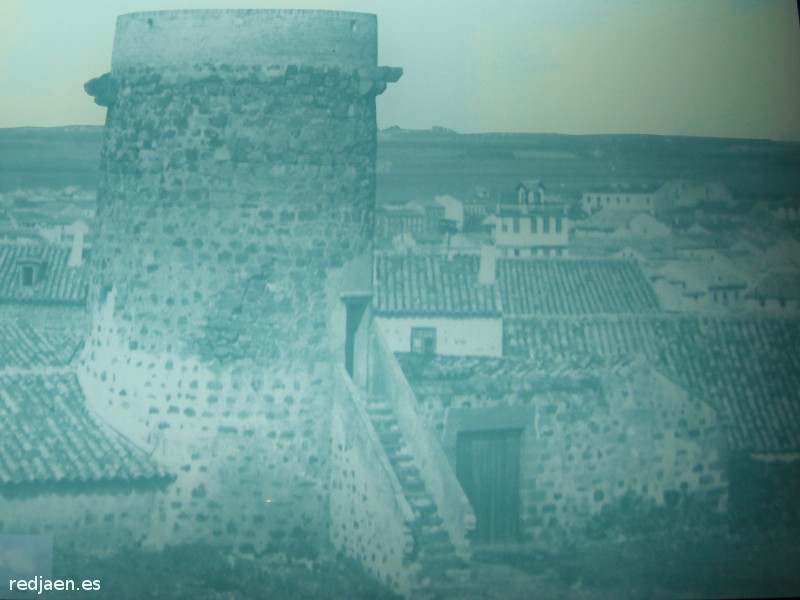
x=355, y=307
x=488, y=468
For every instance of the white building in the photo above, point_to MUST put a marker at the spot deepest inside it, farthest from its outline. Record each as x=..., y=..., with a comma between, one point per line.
x=640, y=199
x=622, y=224
x=437, y=305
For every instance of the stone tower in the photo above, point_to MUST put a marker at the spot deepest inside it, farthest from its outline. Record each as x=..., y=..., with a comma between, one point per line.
x=236, y=200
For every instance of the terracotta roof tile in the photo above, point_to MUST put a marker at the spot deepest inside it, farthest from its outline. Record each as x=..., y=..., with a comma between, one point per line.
x=553, y=286
x=24, y=347
x=432, y=285
x=49, y=437
x=53, y=281
x=747, y=367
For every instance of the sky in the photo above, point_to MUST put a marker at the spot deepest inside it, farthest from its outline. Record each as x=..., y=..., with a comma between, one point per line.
x=719, y=68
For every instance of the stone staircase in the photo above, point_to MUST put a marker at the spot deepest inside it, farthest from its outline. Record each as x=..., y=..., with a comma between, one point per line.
x=443, y=574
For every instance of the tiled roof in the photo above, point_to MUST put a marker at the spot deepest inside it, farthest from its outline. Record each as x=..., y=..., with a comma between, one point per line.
x=783, y=285
x=49, y=437
x=607, y=220
x=54, y=281
x=748, y=368
x=552, y=286
x=24, y=347
x=432, y=285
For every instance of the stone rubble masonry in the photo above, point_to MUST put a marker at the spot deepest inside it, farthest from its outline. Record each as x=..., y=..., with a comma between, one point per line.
x=237, y=181
x=585, y=448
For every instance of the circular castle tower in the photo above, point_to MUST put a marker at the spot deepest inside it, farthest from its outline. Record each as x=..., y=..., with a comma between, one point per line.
x=237, y=189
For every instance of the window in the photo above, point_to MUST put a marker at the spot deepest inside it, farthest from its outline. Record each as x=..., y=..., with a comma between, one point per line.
x=558, y=224
x=27, y=275
x=546, y=225
x=423, y=340
x=516, y=224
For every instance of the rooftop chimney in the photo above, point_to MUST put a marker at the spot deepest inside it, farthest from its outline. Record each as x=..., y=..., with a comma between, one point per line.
x=488, y=266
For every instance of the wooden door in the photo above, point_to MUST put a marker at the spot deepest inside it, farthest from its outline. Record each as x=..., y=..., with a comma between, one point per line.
x=487, y=466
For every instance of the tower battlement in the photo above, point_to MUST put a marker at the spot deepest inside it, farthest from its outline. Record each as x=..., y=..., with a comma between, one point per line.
x=186, y=38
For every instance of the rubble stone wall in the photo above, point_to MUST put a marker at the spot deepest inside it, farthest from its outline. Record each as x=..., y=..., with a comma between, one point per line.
x=587, y=445
x=237, y=181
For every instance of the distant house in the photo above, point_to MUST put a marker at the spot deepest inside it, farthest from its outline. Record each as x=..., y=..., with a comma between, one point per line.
x=453, y=210
x=678, y=194
x=643, y=198
x=424, y=220
x=38, y=285
x=629, y=253
x=782, y=255
x=434, y=305
x=543, y=448
x=744, y=367
x=392, y=221
x=786, y=210
x=621, y=224
x=476, y=208
x=529, y=226
x=528, y=231
x=699, y=285
x=777, y=292
x=530, y=192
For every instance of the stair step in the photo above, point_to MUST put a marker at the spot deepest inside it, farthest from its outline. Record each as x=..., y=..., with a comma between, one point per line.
x=433, y=535
x=412, y=484
x=419, y=497
x=438, y=549
x=428, y=520
x=391, y=436
x=384, y=424
x=407, y=470
x=392, y=447
x=401, y=459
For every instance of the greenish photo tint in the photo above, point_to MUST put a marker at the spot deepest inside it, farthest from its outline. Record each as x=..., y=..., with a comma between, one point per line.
x=518, y=318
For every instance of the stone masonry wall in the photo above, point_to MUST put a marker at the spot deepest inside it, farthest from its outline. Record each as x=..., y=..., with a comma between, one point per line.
x=249, y=446
x=237, y=182
x=370, y=515
x=226, y=198
x=587, y=445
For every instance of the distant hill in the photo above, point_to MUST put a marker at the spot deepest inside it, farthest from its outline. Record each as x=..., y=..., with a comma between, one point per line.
x=413, y=163
x=423, y=163
x=54, y=157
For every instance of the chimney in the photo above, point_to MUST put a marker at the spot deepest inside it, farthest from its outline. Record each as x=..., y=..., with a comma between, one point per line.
x=78, y=230
x=488, y=266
